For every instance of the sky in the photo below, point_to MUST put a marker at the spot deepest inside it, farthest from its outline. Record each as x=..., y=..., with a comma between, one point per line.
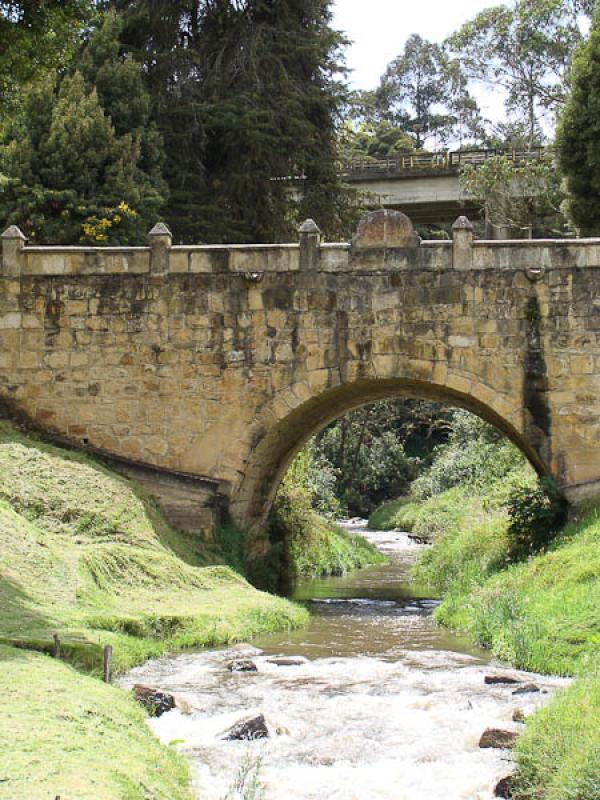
x=379, y=28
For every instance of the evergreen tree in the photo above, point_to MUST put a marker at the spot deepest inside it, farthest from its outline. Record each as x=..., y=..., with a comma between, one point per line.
x=76, y=170
x=578, y=137
x=246, y=97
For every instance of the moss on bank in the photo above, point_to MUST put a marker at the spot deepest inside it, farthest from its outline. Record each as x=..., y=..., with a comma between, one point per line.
x=68, y=735
x=86, y=554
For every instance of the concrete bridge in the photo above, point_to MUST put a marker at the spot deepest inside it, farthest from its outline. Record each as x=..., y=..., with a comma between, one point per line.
x=203, y=370
x=426, y=186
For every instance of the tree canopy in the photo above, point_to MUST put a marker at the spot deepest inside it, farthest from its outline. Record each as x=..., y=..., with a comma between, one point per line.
x=578, y=137
x=81, y=161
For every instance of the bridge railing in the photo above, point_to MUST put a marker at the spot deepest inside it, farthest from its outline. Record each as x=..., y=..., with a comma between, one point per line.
x=431, y=161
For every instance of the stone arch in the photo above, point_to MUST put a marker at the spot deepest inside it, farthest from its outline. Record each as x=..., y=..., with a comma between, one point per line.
x=297, y=415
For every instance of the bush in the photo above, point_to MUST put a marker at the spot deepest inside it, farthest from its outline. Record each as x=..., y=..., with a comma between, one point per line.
x=535, y=515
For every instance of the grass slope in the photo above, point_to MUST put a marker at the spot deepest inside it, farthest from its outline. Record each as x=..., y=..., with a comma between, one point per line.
x=68, y=735
x=86, y=554
x=542, y=614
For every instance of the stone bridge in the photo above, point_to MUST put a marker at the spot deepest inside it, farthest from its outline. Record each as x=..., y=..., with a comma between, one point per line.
x=202, y=370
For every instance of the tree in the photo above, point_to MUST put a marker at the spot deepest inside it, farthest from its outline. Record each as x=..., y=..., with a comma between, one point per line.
x=516, y=197
x=525, y=50
x=74, y=173
x=246, y=96
x=425, y=94
x=37, y=37
x=578, y=137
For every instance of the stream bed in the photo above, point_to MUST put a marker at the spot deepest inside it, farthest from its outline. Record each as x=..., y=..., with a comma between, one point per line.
x=379, y=702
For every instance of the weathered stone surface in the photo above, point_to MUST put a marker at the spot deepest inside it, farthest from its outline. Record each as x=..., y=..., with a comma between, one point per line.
x=174, y=361
x=497, y=738
x=385, y=229
x=248, y=729
x=287, y=661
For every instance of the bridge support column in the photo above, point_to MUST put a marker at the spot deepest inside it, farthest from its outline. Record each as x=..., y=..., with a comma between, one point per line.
x=13, y=242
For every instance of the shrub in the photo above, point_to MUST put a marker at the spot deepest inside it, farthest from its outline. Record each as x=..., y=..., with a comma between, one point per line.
x=535, y=515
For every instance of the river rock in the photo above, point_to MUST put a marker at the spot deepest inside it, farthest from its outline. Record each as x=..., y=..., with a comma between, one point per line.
x=242, y=665
x=527, y=688
x=287, y=661
x=504, y=787
x=155, y=701
x=507, y=680
x=418, y=539
x=248, y=729
x=518, y=715
x=494, y=737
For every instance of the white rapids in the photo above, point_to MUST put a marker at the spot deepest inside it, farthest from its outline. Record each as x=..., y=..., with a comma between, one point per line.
x=393, y=716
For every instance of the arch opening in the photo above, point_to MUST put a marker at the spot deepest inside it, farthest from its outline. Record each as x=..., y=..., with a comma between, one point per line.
x=277, y=447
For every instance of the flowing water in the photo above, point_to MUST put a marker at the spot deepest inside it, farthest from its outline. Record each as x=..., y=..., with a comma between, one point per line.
x=383, y=703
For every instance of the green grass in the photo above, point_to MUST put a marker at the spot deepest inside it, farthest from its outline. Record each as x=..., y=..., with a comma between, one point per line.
x=558, y=755
x=394, y=514
x=326, y=549
x=68, y=735
x=542, y=614
x=87, y=554
x=312, y=546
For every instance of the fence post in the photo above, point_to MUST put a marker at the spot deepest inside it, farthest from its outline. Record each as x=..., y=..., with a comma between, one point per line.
x=56, y=646
x=107, y=662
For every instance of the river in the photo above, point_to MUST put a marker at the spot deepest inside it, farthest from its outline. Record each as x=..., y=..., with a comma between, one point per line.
x=383, y=704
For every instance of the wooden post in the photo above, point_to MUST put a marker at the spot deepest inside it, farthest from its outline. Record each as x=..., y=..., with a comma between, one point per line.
x=56, y=646
x=107, y=662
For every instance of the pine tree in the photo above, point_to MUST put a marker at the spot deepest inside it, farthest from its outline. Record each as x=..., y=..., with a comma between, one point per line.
x=578, y=137
x=81, y=164
x=246, y=96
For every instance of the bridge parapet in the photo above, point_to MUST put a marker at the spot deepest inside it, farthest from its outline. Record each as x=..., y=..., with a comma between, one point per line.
x=385, y=240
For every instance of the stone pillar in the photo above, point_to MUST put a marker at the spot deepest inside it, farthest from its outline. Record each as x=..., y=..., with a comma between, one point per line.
x=462, y=244
x=310, y=245
x=161, y=241
x=13, y=242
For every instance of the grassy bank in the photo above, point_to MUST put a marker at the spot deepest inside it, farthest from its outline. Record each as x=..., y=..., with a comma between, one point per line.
x=69, y=735
x=86, y=554
x=312, y=546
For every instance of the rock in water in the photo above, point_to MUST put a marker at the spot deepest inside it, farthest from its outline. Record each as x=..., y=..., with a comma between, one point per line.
x=500, y=679
x=518, y=715
x=287, y=661
x=154, y=700
x=494, y=737
x=527, y=688
x=248, y=729
x=242, y=665
x=504, y=787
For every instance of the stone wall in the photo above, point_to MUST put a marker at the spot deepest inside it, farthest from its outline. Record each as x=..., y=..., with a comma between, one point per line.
x=219, y=362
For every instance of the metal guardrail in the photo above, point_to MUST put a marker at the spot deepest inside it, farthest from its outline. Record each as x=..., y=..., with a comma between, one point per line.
x=443, y=160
